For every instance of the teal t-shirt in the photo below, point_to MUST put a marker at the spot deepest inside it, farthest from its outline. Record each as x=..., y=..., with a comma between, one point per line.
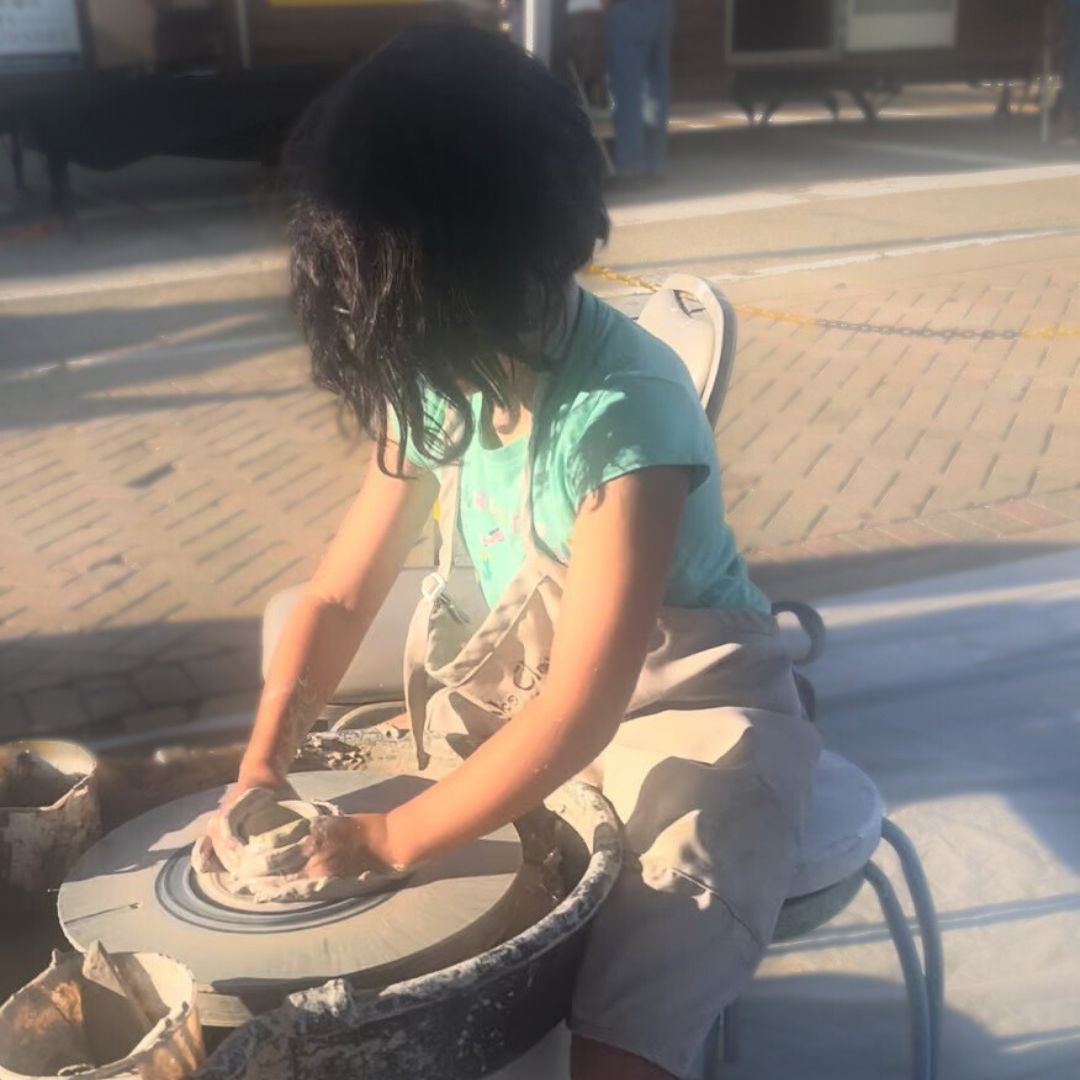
x=619, y=401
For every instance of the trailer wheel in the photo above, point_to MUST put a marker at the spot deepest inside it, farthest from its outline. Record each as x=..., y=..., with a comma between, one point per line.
x=867, y=107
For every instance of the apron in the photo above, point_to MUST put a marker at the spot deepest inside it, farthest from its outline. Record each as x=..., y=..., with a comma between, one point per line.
x=714, y=748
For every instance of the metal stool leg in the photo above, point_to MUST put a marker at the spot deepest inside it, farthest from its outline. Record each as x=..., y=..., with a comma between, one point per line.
x=731, y=1033
x=914, y=980
x=929, y=932
x=712, y=1053
x=721, y=1044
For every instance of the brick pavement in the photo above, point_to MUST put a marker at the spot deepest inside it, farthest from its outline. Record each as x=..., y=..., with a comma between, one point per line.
x=153, y=497
x=167, y=466
x=832, y=434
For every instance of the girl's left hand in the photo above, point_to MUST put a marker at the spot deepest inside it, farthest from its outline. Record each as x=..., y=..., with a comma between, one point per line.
x=346, y=846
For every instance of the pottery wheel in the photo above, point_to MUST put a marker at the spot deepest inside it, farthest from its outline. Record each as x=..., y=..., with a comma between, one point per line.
x=136, y=890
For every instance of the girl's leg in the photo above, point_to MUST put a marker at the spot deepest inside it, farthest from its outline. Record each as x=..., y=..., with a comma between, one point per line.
x=710, y=850
x=591, y=1060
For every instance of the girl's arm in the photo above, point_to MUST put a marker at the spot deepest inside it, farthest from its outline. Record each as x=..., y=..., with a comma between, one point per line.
x=622, y=548
x=328, y=622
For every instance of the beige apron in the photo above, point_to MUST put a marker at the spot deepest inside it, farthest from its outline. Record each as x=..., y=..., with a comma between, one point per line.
x=712, y=681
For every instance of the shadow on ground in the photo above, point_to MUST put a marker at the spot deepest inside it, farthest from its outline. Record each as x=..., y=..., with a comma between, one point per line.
x=814, y=578
x=844, y=1027
x=127, y=679
x=73, y=367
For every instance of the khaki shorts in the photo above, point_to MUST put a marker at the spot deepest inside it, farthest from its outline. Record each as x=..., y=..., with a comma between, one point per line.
x=711, y=849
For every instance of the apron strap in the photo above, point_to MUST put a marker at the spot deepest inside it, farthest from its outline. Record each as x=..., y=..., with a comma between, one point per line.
x=419, y=686
x=449, y=494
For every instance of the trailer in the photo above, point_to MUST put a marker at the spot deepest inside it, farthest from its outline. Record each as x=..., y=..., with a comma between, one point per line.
x=759, y=53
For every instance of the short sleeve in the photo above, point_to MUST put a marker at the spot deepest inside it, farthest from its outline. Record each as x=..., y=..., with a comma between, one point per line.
x=632, y=422
x=434, y=412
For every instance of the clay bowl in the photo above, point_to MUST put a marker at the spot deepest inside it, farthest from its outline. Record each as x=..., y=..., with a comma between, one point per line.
x=49, y=815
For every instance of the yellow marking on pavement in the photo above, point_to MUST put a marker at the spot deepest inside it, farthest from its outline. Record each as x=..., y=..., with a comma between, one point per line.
x=798, y=318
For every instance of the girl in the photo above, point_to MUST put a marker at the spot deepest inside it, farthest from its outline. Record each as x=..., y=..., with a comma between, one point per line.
x=447, y=191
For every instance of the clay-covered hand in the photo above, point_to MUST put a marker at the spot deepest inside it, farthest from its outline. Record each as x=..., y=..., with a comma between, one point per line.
x=348, y=846
x=269, y=849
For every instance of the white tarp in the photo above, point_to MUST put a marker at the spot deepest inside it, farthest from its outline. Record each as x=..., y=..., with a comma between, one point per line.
x=960, y=695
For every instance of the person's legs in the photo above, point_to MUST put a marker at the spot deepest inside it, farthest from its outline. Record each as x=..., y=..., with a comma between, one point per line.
x=658, y=80
x=711, y=841
x=1070, y=89
x=591, y=1060
x=626, y=57
x=585, y=50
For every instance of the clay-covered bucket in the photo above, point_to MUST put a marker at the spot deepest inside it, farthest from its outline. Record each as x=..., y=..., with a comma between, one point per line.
x=138, y=1023
x=49, y=815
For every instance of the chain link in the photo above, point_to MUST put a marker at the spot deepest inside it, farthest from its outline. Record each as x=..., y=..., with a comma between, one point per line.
x=795, y=318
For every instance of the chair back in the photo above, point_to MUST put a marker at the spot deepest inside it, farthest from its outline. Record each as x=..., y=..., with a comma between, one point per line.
x=704, y=340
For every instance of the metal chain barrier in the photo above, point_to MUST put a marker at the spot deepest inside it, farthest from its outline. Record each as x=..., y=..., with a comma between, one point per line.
x=795, y=318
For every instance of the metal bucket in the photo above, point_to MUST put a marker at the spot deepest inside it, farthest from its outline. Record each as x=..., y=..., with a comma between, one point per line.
x=49, y=815
x=138, y=1021
x=461, y=1023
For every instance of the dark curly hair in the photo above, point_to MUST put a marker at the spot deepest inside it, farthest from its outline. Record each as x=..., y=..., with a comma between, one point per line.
x=446, y=190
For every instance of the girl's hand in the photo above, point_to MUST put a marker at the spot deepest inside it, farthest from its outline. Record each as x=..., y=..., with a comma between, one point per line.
x=347, y=846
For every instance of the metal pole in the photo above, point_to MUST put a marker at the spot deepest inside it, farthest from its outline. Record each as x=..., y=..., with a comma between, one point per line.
x=929, y=932
x=243, y=33
x=529, y=18
x=1048, y=41
x=923, y=1065
x=537, y=31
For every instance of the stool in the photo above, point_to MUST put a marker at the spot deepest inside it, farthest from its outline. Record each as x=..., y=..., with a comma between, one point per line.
x=844, y=827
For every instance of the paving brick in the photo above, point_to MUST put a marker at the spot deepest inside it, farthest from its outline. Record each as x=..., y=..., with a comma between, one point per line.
x=934, y=452
x=873, y=539
x=994, y=522
x=796, y=517
x=907, y=497
x=1030, y=514
x=224, y=673
x=920, y=533
x=14, y=719
x=164, y=684
x=1011, y=477
x=57, y=709
x=827, y=547
x=1066, y=502
x=1065, y=440
x=958, y=527
x=107, y=699
x=156, y=719
x=242, y=703
x=869, y=484
x=1030, y=437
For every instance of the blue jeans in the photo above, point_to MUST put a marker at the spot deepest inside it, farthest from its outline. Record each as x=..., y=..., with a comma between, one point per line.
x=639, y=63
